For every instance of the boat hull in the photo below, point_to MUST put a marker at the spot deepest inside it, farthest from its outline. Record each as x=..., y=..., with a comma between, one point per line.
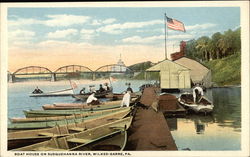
x=204, y=106
x=86, y=95
x=25, y=138
x=66, y=92
x=82, y=139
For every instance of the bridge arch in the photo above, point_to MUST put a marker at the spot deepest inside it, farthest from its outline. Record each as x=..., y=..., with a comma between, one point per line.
x=32, y=70
x=114, y=68
x=73, y=69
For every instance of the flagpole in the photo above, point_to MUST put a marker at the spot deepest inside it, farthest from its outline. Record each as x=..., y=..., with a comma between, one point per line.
x=165, y=26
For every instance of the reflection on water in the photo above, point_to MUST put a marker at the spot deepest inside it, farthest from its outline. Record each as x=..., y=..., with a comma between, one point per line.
x=219, y=131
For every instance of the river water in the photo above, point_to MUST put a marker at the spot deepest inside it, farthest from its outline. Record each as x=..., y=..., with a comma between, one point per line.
x=219, y=131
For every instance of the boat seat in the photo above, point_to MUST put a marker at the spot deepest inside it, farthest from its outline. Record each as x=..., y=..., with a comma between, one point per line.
x=117, y=127
x=77, y=129
x=48, y=149
x=78, y=140
x=47, y=134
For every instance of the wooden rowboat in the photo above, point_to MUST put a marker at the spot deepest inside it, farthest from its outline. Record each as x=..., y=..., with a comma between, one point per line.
x=119, y=96
x=203, y=106
x=28, y=137
x=87, y=139
x=86, y=95
x=49, y=124
x=50, y=113
x=55, y=118
x=72, y=106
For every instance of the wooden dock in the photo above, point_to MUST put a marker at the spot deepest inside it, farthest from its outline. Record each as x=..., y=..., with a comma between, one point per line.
x=149, y=130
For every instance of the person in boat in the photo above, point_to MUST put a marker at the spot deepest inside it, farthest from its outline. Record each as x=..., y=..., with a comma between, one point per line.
x=37, y=91
x=126, y=99
x=91, y=88
x=101, y=89
x=197, y=93
x=129, y=88
x=106, y=86
x=82, y=91
x=92, y=100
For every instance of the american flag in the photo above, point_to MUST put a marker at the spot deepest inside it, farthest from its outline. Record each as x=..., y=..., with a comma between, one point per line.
x=175, y=24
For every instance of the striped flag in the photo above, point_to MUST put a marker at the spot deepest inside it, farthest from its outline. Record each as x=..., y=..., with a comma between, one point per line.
x=175, y=24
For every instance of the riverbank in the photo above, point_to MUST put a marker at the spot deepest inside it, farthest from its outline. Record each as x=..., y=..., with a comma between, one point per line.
x=227, y=71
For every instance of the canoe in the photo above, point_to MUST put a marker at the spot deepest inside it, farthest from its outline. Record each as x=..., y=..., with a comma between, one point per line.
x=86, y=95
x=72, y=106
x=65, y=92
x=203, y=106
x=88, y=139
x=28, y=137
x=119, y=96
x=55, y=118
x=49, y=124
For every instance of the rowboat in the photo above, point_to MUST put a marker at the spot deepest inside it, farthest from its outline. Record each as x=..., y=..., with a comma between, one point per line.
x=49, y=124
x=119, y=96
x=64, y=92
x=86, y=95
x=56, y=118
x=106, y=135
x=28, y=137
x=71, y=106
x=202, y=106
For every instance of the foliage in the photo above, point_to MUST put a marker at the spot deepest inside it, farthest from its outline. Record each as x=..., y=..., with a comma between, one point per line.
x=226, y=71
x=216, y=47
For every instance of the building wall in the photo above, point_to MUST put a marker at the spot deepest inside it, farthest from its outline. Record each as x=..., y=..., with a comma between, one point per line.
x=172, y=75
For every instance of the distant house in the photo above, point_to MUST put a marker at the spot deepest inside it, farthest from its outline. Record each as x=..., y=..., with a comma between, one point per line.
x=198, y=72
x=172, y=75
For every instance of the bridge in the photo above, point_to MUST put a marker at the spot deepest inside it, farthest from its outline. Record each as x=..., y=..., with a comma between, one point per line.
x=69, y=71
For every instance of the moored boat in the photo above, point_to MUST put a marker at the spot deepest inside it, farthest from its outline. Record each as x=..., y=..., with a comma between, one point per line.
x=28, y=137
x=87, y=139
x=86, y=95
x=71, y=106
x=203, y=105
x=55, y=118
x=119, y=96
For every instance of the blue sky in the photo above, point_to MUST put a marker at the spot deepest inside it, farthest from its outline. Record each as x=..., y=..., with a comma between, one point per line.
x=99, y=30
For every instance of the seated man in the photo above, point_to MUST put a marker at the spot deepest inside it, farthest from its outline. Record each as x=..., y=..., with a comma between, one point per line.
x=82, y=91
x=37, y=90
x=92, y=100
x=101, y=89
x=126, y=99
x=129, y=88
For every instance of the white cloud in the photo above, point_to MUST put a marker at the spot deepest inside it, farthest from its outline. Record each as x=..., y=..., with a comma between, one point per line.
x=65, y=20
x=151, y=39
x=21, y=34
x=200, y=26
x=62, y=33
x=87, y=31
x=138, y=39
x=23, y=22
x=101, y=22
x=108, y=21
x=116, y=28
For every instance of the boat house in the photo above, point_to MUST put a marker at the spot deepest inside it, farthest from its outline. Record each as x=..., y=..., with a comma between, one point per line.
x=198, y=72
x=172, y=75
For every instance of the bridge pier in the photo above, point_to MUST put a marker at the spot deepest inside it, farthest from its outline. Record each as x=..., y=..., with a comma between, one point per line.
x=93, y=76
x=11, y=78
x=53, y=77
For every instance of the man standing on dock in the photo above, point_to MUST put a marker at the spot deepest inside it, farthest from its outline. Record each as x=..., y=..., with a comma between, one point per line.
x=126, y=99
